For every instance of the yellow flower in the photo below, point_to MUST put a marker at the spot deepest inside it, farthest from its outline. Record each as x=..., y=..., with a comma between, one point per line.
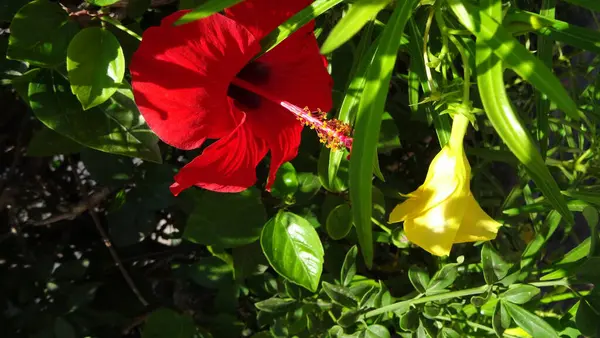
x=443, y=211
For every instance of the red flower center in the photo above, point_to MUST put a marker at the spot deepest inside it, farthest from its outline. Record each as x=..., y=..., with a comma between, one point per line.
x=256, y=73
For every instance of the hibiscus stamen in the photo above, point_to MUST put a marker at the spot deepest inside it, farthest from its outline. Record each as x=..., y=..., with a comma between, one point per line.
x=334, y=133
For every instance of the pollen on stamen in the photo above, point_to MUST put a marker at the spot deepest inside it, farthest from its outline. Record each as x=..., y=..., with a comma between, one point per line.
x=334, y=133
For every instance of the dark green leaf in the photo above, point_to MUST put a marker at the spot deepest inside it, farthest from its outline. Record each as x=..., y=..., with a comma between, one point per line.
x=409, y=321
x=501, y=319
x=210, y=272
x=208, y=8
x=333, y=181
x=355, y=18
x=286, y=181
x=443, y=278
x=96, y=66
x=340, y=295
x=520, y=293
x=63, y=329
x=226, y=220
x=349, y=318
x=47, y=142
x=339, y=222
x=447, y=332
x=349, y=267
x=276, y=305
x=589, y=4
x=114, y=127
x=248, y=260
x=293, y=248
x=9, y=8
x=368, y=124
x=40, y=33
x=494, y=266
x=166, y=323
x=419, y=278
x=308, y=186
x=529, y=322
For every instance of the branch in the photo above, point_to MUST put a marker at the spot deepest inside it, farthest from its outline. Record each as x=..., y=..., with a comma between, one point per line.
x=77, y=209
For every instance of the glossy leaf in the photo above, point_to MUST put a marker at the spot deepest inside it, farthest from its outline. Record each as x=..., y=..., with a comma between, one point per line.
x=348, y=270
x=520, y=293
x=368, y=123
x=339, y=222
x=419, y=278
x=353, y=21
x=206, y=9
x=499, y=110
x=409, y=321
x=337, y=180
x=293, y=248
x=212, y=221
x=95, y=65
x=529, y=322
x=340, y=295
x=115, y=127
x=494, y=266
x=294, y=23
x=488, y=31
x=46, y=44
x=286, y=181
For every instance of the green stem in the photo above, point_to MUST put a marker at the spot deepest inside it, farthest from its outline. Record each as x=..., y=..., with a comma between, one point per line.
x=118, y=25
x=433, y=298
x=558, y=282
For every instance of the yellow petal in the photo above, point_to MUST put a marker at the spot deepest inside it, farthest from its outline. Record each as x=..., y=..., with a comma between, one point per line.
x=435, y=229
x=402, y=210
x=476, y=224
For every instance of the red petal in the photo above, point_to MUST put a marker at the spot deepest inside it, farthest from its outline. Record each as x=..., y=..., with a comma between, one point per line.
x=261, y=17
x=297, y=74
x=228, y=165
x=181, y=75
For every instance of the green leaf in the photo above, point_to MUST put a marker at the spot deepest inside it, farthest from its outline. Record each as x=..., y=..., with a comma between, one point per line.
x=308, y=186
x=96, y=66
x=494, y=266
x=293, y=248
x=63, y=329
x=339, y=222
x=208, y=8
x=375, y=331
x=557, y=30
x=340, y=295
x=102, y=3
x=419, y=278
x=348, y=270
x=589, y=4
x=166, y=323
x=356, y=17
x=40, y=33
x=484, y=24
x=499, y=108
x=294, y=23
x=443, y=278
x=226, y=220
x=501, y=319
x=47, y=142
x=587, y=317
x=210, y=272
x=521, y=293
x=115, y=127
x=349, y=318
x=248, y=260
x=286, y=181
x=529, y=322
x=409, y=321
x=368, y=123
x=276, y=305
x=569, y=262
x=338, y=182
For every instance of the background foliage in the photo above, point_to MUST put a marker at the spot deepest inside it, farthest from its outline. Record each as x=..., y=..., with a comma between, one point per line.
x=92, y=243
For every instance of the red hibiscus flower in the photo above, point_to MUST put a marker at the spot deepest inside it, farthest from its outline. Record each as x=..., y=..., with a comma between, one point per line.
x=199, y=81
